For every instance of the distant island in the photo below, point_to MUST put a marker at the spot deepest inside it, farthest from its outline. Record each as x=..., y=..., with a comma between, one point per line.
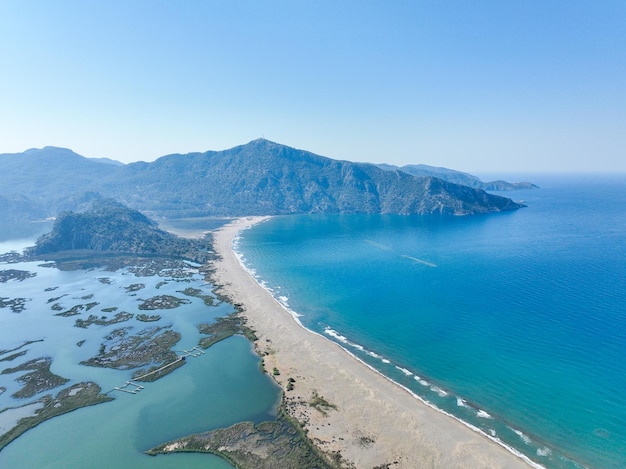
x=258, y=178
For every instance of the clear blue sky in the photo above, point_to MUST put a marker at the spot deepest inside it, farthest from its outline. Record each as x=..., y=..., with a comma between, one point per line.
x=493, y=85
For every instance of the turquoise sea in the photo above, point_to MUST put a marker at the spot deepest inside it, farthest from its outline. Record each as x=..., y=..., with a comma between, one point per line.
x=514, y=323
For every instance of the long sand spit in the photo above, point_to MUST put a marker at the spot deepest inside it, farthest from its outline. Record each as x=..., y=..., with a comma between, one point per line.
x=373, y=421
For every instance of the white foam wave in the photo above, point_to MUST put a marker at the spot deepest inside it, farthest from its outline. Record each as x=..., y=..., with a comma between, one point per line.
x=423, y=382
x=384, y=360
x=439, y=391
x=525, y=438
x=344, y=340
x=295, y=314
x=281, y=300
x=544, y=452
x=404, y=370
x=483, y=415
x=336, y=335
x=461, y=402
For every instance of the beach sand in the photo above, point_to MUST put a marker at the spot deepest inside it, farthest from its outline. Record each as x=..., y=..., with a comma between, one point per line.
x=375, y=422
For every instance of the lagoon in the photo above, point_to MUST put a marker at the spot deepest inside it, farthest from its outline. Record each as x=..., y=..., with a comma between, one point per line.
x=213, y=390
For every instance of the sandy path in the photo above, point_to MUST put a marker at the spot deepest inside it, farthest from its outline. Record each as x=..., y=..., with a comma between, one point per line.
x=375, y=422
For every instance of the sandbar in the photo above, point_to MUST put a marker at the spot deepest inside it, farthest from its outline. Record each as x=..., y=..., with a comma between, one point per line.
x=374, y=421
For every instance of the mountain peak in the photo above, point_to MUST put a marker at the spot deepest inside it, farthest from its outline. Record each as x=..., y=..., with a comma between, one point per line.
x=51, y=151
x=262, y=143
x=61, y=153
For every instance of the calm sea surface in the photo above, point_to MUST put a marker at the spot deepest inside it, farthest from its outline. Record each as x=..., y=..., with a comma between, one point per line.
x=217, y=389
x=513, y=322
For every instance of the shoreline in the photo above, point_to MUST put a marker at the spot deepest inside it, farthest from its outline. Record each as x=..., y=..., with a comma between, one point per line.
x=371, y=420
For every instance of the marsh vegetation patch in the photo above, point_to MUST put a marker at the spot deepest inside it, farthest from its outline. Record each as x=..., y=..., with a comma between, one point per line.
x=38, y=380
x=195, y=292
x=14, y=274
x=163, y=302
x=77, y=309
x=135, y=287
x=11, y=257
x=148, y=318
x=224, y=328
x=123, y=351
x=103, y=320
x=17, y=305
x=268, y=445
x=321, y=404
x=76, y=396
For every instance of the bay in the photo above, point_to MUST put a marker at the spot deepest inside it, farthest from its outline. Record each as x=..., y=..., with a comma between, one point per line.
x=512, y=322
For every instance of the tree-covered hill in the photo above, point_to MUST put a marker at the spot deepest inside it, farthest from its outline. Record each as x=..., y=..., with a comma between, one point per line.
x=266, y=178
x=109, y=226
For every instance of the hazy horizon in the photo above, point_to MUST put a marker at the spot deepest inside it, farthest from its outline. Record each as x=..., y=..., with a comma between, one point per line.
x=504, y=87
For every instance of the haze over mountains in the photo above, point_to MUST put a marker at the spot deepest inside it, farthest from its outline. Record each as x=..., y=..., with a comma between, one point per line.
x=258, y=178
x=458, y=177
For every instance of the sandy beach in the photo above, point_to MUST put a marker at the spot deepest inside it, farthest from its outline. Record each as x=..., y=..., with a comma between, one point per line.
x=372, y=422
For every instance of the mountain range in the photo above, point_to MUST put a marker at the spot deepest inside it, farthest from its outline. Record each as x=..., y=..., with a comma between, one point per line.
x=258, y=178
